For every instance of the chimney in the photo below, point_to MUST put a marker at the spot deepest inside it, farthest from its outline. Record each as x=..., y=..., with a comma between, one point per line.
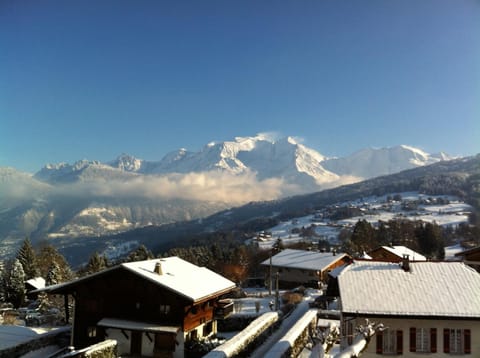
x=158, y=268
x=406, y=263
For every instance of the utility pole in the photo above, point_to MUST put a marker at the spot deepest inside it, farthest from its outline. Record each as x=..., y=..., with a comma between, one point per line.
x=277, y=302
x=270, y=275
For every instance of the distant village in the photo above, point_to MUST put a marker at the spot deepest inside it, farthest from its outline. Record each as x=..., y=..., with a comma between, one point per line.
x=395, y=275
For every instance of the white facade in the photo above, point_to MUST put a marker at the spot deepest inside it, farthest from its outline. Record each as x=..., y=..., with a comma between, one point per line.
x=423, y=329
x=429, y=308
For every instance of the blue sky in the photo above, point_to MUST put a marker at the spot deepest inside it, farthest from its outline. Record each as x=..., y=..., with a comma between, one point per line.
x=94, y=79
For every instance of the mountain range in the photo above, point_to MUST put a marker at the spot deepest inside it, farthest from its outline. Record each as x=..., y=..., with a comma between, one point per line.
x=88, y=199
x=284, y=158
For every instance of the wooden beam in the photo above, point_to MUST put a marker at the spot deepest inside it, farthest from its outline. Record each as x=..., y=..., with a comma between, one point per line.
x=67, y=313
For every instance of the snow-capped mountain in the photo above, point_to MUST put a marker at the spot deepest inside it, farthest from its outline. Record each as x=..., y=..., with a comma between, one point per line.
x=371, y=163
x=90, y=198
x=82, y=170
x=284, y=159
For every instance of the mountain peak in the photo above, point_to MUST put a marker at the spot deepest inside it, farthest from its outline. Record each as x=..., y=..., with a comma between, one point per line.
x=127, y=162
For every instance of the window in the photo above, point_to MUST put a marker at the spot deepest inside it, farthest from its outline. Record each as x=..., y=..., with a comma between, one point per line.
x=390, y=341
x=207, y=329
x=456, y=341
x=165, y=309
x=92, y=332
x=347, y=330
x=423, y=340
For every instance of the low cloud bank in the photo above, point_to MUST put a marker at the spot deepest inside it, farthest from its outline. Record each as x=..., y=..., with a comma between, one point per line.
x=208, y=186
x=213, y=186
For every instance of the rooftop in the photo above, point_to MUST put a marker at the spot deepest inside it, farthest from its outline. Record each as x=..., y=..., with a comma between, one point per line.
x=443, y=289
x=400, y=251
x=305, y=260
x=177, y=275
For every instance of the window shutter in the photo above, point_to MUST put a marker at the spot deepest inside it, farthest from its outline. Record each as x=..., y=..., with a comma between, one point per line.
x=413, y=339
x=446, y=340
x=399, y=342
x=467, y=341
x=379, y=342
x=433, y=340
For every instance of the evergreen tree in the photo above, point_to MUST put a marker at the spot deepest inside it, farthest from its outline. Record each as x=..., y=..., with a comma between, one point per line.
x=48, y=255
x=430, y=240
x=15, y=284
x=26, y=256
x=363, y=237
x=96, y=263
x=278, y=245
x=53, y=275
x=140, y=254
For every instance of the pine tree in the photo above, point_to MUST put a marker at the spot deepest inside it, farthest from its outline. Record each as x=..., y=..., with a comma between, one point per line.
x=15, y=285
x=363, y=236
x=96, y=263
x=53, y=275
x=48, y=255
x=140, y=254
x=26, y=256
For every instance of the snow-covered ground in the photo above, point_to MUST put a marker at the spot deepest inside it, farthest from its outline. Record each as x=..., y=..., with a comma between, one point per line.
x=443, y=210
x=12, y=335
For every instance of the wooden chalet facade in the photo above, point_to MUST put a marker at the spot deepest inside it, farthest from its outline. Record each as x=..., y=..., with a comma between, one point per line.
x=152, y=308
x=301, y=267
x=395, y=254
x=428, y=308
x=471, y=257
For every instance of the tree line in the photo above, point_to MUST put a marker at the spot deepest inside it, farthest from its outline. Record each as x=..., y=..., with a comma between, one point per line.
x=228, y=255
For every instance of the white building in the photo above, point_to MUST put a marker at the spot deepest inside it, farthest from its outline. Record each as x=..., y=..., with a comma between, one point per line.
x=429, y=308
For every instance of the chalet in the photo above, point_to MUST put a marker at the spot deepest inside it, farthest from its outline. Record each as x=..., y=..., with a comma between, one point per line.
x=152, y=308
x=36, y=283
x=471, y=257
x=300, y=267
x=428, y=308
x=395, y=254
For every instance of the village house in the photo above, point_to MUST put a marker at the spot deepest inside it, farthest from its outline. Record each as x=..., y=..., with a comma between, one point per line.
x=300, y=267
x=36, y=283
x=428, y=308
x=471, y=257
x=152, y=308
x=395, y=254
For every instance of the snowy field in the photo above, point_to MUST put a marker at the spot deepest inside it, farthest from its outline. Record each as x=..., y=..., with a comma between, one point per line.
x=441, y=209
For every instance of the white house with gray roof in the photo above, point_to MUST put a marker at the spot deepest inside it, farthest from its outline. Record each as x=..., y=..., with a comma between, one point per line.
x=429, y=307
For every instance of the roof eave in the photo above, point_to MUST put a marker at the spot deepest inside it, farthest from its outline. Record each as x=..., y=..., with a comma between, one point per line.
x=410, y=316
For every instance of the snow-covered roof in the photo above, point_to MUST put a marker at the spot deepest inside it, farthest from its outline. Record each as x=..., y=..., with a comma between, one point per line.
x=400, y=251
x=182, y=277
x=305, y=260
x=428, y=289
x=135, y=325
x=37, y=282
x=177, y=275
